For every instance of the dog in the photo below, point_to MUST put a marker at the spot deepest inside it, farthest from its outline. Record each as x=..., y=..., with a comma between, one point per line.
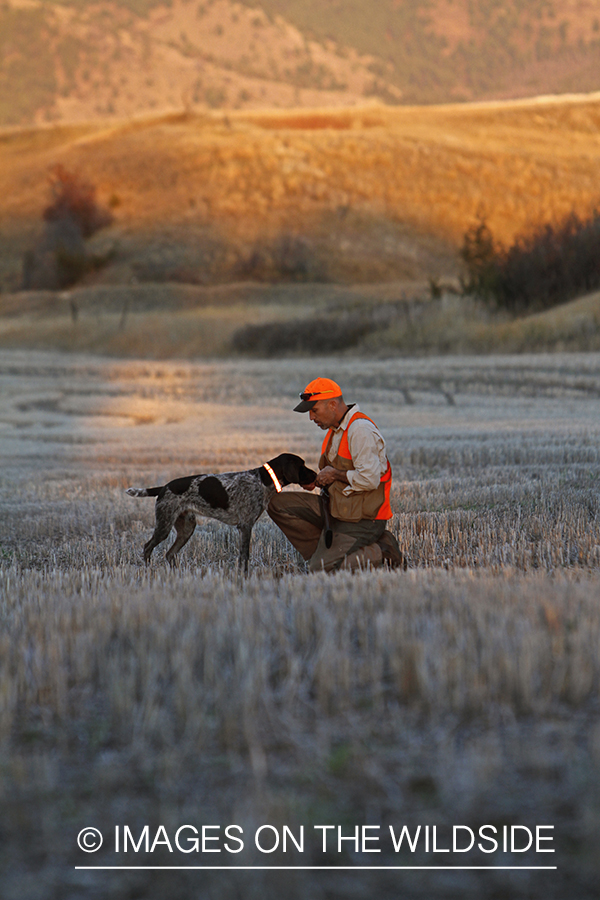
x=235, y=498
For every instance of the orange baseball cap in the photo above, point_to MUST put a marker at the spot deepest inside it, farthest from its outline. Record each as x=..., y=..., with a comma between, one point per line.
x=319, y=389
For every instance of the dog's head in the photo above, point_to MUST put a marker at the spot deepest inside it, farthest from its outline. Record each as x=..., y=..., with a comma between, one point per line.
x=290, y=469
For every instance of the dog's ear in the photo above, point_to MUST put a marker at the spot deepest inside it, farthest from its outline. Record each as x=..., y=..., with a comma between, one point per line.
x=302, y=474
x=287, y=467
x=306, y=475
x=291, y=469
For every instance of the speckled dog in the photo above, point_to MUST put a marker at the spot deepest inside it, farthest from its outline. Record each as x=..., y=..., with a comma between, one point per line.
x=235, y=498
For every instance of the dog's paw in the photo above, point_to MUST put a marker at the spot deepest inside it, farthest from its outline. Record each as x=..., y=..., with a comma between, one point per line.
x=136, y=492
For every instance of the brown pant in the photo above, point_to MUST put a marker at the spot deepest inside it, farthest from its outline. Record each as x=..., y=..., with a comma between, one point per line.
x=354, y=544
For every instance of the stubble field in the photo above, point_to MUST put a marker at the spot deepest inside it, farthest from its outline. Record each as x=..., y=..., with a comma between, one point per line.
x=464, y=691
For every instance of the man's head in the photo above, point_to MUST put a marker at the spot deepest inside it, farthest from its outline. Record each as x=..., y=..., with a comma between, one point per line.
x=322, y=400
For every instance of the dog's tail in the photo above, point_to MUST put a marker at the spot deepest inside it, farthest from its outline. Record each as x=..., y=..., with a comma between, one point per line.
x=143, y=492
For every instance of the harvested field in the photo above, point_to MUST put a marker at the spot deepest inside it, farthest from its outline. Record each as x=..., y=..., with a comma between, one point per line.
x=464, y=692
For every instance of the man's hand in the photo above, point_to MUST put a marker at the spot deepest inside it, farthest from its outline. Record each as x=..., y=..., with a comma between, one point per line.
x=309, y=487
x=328, y=475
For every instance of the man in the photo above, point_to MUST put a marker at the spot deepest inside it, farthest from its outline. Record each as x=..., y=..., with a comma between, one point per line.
x=357, y=476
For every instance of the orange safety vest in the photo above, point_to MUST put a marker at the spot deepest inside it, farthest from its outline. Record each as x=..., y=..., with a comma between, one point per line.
x=358, y=505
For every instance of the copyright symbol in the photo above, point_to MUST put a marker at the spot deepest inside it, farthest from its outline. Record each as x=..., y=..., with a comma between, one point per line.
x=89, y=840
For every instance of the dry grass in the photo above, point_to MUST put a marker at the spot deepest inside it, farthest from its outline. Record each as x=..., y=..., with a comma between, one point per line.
x=457, y=324
x=124, y=327
x=465, y=691
x=165, y=320
x=244, y=175
x=168, y=321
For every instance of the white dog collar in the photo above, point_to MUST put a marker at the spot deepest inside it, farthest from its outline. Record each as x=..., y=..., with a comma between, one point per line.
x=274, y=477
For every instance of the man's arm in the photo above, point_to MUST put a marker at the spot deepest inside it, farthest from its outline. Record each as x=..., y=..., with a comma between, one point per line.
x=369, y=460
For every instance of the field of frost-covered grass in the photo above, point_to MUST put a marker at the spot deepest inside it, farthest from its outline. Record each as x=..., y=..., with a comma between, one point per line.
x=464, y=691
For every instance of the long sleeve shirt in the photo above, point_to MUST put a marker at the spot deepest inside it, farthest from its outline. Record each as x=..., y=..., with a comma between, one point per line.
x=367, y=449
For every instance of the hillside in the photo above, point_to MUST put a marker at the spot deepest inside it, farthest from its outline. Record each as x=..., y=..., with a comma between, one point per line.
x=367, y=195
x=123, y=57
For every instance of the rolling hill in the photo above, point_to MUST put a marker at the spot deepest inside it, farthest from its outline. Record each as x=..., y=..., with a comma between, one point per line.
x=368, y=194
x=76, y=61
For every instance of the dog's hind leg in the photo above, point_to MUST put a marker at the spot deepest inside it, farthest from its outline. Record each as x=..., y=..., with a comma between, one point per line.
x=245, y=535
x=162, y=530
x=185, y=525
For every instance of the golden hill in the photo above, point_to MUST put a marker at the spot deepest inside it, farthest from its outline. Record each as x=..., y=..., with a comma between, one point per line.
x=384, y=193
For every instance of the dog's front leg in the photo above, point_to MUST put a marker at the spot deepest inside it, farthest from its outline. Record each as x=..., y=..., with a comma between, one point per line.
x=245, y=535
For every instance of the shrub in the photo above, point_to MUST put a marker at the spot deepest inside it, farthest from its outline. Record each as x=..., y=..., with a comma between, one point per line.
x=552, y=265
x=479, y=254
x=75, y=199
x=60, y=258
x=304, y=336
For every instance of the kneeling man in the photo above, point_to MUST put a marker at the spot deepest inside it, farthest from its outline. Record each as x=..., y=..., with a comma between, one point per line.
x=356, y=472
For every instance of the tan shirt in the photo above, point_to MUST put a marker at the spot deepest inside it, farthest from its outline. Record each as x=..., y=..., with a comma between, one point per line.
x=367, y=449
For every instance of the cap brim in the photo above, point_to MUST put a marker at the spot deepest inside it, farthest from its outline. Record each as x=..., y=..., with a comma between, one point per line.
x=305, y=406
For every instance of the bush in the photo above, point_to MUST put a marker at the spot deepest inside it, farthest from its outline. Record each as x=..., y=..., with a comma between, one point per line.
x=554, y=264
x=60, y=258
x=479, y=254
x=304, y=336
x=76, y=200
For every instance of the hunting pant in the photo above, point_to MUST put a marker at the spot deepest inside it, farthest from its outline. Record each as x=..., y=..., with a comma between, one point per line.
x=354, y=544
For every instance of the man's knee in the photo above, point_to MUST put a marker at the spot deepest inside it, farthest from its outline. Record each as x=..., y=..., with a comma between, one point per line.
x=293, y=503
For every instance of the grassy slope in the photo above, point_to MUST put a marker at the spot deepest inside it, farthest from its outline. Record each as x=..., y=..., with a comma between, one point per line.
x=378, y=194
x=457, y=325
x=455, y=49
x=143, y=321
x=432, y=168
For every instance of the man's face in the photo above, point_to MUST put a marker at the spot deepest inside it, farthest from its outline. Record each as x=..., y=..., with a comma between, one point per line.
x=324, y=413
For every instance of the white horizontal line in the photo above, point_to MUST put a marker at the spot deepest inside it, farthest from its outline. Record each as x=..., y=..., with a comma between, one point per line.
x=327, y=868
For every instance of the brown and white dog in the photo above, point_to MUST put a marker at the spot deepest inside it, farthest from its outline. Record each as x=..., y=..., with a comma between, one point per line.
x=235, y=498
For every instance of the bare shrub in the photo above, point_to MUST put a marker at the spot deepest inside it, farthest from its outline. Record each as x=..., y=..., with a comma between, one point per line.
x=312, y=336
x=61, y=258
x=478, y=252
x=552, y=265
x=75, y=199
x=341, y=329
